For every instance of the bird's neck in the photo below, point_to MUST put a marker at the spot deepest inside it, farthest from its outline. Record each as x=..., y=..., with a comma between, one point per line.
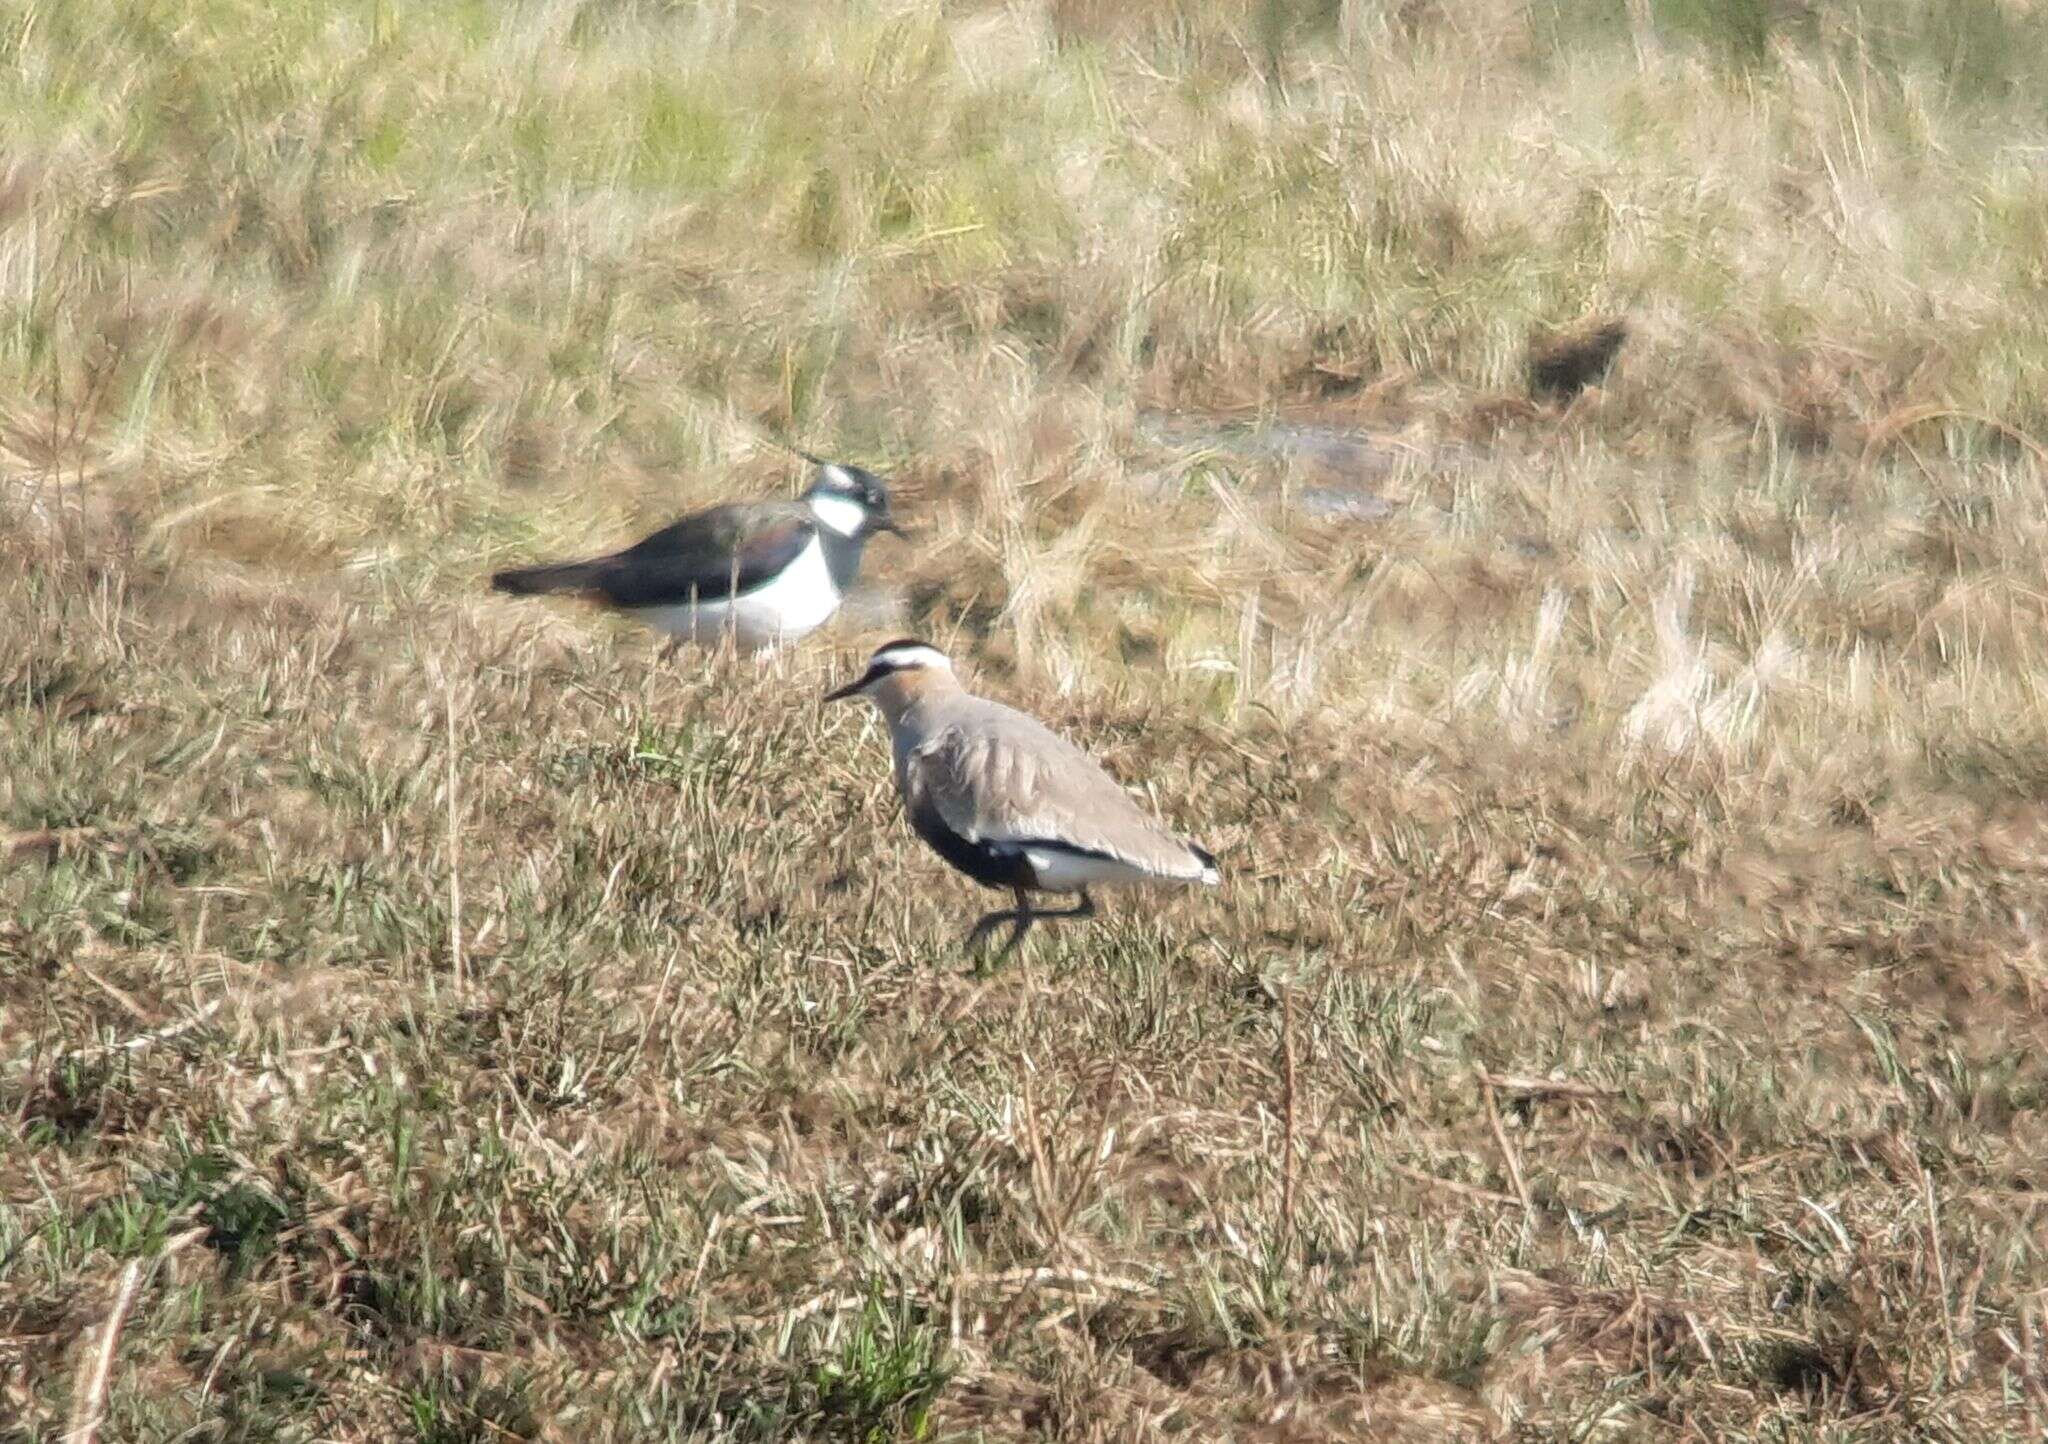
x=842, y=555
x=903, y=695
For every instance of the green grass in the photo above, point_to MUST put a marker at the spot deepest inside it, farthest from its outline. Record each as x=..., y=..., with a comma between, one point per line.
x=1642, y=824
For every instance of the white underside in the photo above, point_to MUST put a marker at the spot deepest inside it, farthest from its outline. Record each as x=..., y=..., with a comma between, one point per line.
x=1058, y=871
x=799, y=600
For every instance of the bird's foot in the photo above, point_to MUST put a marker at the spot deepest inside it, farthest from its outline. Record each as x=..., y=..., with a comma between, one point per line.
x=1019, y=919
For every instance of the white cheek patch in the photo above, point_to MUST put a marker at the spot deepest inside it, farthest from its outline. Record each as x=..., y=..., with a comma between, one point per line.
x=842, y=514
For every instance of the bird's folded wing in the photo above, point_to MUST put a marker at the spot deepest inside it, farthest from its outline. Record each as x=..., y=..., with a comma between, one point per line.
x=1017, y=782
x=708, y=557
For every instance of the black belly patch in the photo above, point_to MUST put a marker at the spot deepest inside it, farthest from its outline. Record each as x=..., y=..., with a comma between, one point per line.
x=992, y=864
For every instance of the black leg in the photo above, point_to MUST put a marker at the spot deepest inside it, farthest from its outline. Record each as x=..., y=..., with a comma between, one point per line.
x=1085, y=908
x=1019, y=918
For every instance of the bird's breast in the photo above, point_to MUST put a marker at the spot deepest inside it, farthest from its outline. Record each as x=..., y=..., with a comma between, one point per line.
x=800, y=597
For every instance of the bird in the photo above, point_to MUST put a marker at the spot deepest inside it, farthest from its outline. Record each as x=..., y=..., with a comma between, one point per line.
x=1009, y=802
x=767, y=571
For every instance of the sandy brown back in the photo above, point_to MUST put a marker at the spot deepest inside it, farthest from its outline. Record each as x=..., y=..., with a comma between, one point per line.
x=996, y=775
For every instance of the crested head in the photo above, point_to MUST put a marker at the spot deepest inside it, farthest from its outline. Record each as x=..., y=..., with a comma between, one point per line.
x=852, y=502
x=897, y=666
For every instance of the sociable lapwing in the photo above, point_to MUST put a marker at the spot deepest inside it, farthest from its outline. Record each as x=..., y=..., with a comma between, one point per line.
x=1007, y=801
x=767, y=571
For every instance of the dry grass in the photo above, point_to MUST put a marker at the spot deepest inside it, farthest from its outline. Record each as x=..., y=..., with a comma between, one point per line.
x=423, y=1016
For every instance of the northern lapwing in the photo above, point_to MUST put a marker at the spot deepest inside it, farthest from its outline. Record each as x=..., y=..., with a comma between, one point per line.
x=767, y=571
x=1007, y=801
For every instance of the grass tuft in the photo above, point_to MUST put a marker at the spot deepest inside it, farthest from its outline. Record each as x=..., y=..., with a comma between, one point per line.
x=1550, y=494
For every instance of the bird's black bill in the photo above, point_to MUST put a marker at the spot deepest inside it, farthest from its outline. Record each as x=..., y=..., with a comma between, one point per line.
x=887, y=524
x=851, y=689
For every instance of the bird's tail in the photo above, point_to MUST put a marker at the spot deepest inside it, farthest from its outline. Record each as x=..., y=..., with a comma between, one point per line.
x=539, y=581
x=1211, y=874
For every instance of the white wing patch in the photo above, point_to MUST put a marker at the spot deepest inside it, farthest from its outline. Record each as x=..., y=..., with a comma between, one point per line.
x=1060, y=871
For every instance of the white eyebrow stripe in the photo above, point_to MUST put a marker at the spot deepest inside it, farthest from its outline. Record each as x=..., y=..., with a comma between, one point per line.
x=920, y=655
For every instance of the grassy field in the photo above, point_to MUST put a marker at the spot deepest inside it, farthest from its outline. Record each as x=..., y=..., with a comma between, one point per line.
x=430, y=1016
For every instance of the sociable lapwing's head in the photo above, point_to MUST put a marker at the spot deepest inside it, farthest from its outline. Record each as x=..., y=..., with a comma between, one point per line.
x=897, y=672
x=852, y=502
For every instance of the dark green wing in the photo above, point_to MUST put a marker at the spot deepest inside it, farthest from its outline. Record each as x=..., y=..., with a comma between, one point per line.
x=707, y=557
